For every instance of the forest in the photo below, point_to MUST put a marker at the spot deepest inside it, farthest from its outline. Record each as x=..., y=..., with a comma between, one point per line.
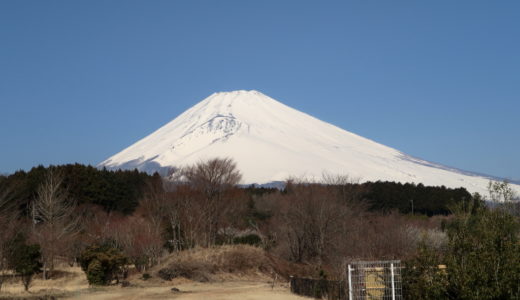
x=106, y=221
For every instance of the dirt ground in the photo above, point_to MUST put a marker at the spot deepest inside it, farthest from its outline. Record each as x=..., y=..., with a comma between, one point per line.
x=70, y=280
x=190, y=291
x=73, y=285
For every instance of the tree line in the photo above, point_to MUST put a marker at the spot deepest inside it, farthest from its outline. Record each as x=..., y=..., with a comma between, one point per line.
x=70, y=214
x=121, y=190
x=113, y=190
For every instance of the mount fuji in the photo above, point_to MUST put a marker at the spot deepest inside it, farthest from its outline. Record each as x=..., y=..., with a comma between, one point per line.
x=271, y=142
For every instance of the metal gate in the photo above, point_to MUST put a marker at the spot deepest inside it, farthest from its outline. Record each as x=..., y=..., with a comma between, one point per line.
x=374, y=280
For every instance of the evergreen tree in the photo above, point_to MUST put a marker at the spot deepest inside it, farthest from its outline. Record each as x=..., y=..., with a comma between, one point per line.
x=484, y=254
x=102, y=264
x=482, y=258
x=25, y=260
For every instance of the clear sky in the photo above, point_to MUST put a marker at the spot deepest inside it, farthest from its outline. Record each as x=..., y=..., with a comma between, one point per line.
x=440, y=80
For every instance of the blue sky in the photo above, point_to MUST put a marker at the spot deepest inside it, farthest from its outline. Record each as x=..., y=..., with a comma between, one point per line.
x=82, y=80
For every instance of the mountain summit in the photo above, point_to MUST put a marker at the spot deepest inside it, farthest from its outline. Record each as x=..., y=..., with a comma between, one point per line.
x=271, y=142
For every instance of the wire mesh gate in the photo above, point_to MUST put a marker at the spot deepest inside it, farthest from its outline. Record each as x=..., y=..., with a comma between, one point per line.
x=374, y=280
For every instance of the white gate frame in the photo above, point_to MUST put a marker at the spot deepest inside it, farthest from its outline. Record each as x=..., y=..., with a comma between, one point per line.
x=389, y=272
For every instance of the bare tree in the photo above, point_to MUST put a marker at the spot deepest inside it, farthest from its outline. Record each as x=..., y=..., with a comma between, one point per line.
x=54, y=224
x=347, y=188
x=156, y=212
x=214, y=180
x=213, y=177
x=154, y=204
x=504, y=196
x=311, y=217
x=173, y=212
x=501, y=192
x=9, y=226
x=189, y=215
x=138, y=239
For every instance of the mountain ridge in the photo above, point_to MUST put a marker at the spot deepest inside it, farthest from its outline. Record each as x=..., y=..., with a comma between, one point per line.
x=271, y=141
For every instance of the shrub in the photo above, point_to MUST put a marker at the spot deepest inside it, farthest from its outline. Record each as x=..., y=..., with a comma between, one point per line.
x=423, y=279
x=250, y=239
x=481, y=259
x=483, y=255
x=25, y=260
x=102, y=264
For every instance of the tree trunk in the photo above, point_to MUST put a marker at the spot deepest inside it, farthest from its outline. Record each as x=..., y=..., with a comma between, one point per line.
x=44, y=273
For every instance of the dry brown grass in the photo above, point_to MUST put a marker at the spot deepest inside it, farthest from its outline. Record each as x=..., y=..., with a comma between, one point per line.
x=235, y=272
x=66, y=280
x=228, y=262
x=216, y=263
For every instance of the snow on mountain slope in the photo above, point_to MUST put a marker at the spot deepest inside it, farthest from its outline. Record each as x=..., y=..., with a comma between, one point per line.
x=270, y=141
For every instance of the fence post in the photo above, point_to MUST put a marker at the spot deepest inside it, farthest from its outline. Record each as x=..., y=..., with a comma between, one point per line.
x=350, y=292
x=392, y=280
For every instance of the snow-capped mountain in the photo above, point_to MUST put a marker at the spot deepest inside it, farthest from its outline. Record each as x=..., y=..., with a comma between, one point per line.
x=270, y=141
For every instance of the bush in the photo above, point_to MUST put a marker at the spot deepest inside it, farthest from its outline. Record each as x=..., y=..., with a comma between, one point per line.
x=483, y=255
x=102, y=264
x=481, y=259
x=25, y=260
x=250, y=239
x=423, y=279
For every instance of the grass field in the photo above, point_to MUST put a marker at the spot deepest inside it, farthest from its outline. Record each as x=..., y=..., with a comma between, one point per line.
x=231, y=273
